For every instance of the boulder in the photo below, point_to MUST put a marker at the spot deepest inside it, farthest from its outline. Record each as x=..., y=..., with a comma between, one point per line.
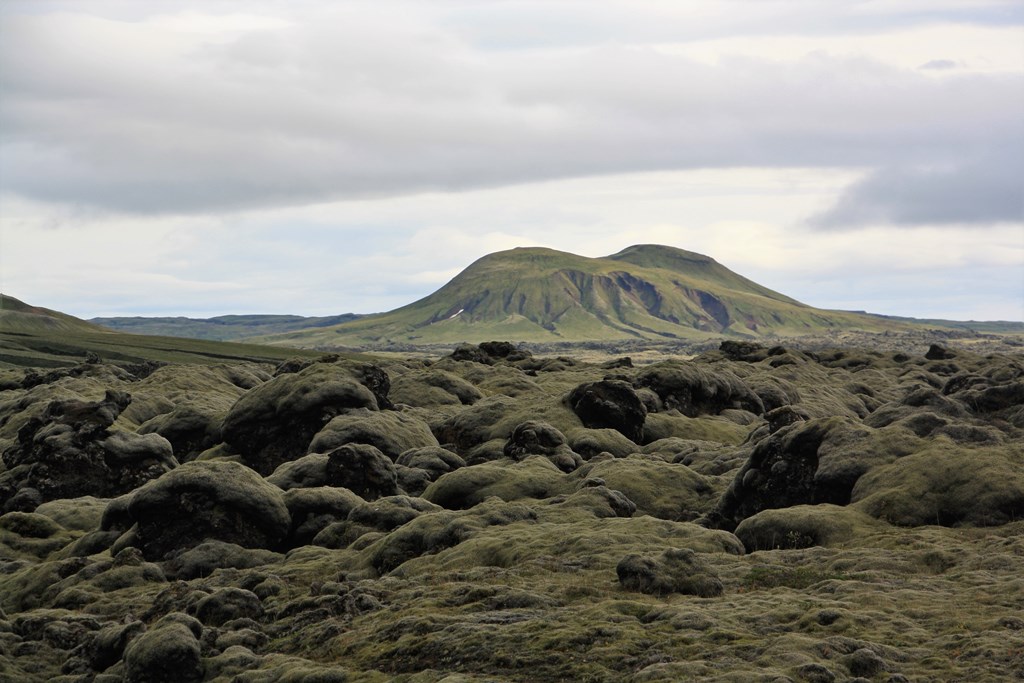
x=434, y=459
x=313, y=509
x=433, y=387
x=391, y=432
x=695, y=389
x=540, y=438
x=198, y=501
x=780, y=472
x=167, y=653
x=610, y=404
x=71, y=451
x=490, y=353
x=362, y=469
x=276, y=421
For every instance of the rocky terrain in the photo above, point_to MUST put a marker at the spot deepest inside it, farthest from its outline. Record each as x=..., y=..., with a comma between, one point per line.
x=751, y=513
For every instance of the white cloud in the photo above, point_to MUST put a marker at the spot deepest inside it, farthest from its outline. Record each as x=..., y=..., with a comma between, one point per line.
x=319, y=158
x=197, y=112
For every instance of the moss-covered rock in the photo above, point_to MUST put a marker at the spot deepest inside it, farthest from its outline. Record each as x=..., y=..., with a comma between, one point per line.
x=362, y=469
x=677, y=570
x=208, y=500
x=391, y=432
x=947, y=484
x=167, y=653
x=534, y=477
x=276, y=421
x=804, y=526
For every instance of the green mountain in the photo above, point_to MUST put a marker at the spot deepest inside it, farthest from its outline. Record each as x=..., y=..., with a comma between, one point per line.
x=542, y=295
x=221, y=328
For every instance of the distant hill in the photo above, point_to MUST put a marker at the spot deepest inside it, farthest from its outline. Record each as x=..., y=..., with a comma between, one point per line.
x=220, y=328
x=542, y=295
x=32, y=336
x=20, y=317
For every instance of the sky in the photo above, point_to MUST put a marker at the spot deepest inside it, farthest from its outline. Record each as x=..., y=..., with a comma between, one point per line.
x=315, y=158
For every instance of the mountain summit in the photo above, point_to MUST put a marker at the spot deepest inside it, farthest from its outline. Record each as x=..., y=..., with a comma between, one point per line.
x=537, y=294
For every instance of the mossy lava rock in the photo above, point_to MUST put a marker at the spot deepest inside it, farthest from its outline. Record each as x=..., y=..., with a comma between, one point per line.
x=200, y=500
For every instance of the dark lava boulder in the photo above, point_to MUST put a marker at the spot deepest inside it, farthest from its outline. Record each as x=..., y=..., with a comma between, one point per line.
x=937, y=352
x=70, y=451
x=362, y=469
x=276, y=421
x=677, y=570
x=201, y=500
x=779, y=473
x=695, y=389
x=610, y=404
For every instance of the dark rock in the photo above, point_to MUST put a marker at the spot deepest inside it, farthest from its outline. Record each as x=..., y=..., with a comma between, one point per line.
x=815, y=673
x=69, y=451
x=362, y=469
x=612, y=404
x=936, y=352
x=108, y=644
x=779, y=473
x=189, y=431
x=490, y=353
x=750, y=352
x=314, y=509
x=864, y=662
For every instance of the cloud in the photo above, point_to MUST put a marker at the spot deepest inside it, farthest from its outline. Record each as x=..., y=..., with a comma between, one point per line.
x=981, y=191
x=939, y=65
x=196, y=113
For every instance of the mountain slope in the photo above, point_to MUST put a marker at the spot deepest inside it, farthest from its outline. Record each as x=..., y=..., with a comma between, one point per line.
x=18, y=317
x=537, y=294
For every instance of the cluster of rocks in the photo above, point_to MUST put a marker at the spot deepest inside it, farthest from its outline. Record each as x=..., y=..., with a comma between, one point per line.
x=784, y=448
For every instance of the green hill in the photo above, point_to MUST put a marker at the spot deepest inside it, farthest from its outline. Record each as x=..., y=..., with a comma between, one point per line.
x=18, y=317
x=220, y=328
x=542, y=295
x=39, y=337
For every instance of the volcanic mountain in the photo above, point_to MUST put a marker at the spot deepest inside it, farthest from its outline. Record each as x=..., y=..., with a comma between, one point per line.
x=542, y=295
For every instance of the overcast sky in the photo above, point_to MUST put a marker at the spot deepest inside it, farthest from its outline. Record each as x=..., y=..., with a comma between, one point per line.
x=204, y=158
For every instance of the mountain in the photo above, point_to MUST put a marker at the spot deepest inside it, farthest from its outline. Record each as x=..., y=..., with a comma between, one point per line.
x=541, y=295
x=220, y=328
